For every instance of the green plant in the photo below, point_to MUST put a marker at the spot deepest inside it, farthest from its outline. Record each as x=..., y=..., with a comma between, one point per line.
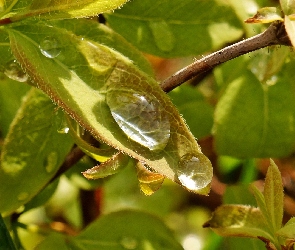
x=101, y=111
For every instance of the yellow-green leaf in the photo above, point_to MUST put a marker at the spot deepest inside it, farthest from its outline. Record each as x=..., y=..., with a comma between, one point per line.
x=80, y=77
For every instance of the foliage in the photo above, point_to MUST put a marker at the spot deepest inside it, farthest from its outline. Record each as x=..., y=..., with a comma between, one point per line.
x=79, y=96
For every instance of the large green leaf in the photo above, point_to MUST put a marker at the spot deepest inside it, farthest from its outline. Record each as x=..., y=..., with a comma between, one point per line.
x=78, y=73
x=32, y=152
x=119, y=231
x=21, y=9
x=255, y=115
x=132, y=230
x=172, y=28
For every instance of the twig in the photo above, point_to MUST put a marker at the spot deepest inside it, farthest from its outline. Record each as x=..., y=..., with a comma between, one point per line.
x=275, y=34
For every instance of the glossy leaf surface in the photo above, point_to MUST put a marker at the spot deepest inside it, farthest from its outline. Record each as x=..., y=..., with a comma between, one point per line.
x=84, y=73
x=29, y=160
x=21, y=9
x=169, y=28
x=254, y=117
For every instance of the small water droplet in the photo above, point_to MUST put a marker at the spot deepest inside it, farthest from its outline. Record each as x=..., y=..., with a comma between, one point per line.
x=141, y=117
x=22, y=196
x=194, y=171
x=14, y=72
x=129, y=242
x=50, y=47
x=163, y=35
x=272, y=81
x=50, y=161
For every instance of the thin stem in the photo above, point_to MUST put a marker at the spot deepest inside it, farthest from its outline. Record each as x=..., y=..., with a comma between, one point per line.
x=275, y=34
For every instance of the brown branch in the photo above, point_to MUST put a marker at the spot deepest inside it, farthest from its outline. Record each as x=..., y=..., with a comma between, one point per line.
x=275, y=34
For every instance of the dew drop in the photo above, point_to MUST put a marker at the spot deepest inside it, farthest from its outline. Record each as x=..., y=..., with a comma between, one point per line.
x=50, y=47
x=14, y=72
x=129, y=242
x=163, y=35
x=194, y=171
x=22, y=196
x=50, y=162
x=141, y=117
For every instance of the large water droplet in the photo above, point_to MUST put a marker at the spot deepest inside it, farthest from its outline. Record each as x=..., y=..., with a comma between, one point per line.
x=14, y=72
x=141, y=117
x=50, y=47
x=129, y=242
x=194, y=171
x=50, y=161
x=22, y=196
x=163, y=35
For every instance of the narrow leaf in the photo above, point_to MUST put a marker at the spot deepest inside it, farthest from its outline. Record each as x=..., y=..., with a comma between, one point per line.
x=109, y=167
x=85, y=73
x=274, y=196
x=238, y=220
x=59, y=9
x=32, y=152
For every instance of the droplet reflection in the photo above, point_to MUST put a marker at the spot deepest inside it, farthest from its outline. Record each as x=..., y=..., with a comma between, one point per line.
x=194, y=171
x=14, y=71
x=50, y=47
x=141, y=117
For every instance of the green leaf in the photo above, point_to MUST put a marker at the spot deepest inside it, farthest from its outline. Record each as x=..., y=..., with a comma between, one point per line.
x=290, y=28
x=238, y=220
x=274, y=196
x=254, y=119
x=5, y=238
x=10, y=99
x=21, y=9
x=265, y=15
x=197, y=113
x=112, y=166
x=288, y=6
x=126, y=230
x=32, y=152
x=53, y=241
x=84, y=73
x=170, y=28
x=288, y=230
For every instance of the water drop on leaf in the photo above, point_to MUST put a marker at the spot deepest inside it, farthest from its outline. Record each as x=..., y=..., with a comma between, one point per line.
x=50, y=47
x=14, y=72
x=141, y=117
x=129, y=242
x=194, y=171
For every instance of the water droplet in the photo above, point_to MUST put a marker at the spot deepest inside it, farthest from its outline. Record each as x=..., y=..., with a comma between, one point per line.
x=50, y=47
x=129, y=242
x=141, y=117
x=272, y=81
x=194, y=171
x=22, y=196
x=14, y=72
x=50, y=161
x=163, y=35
